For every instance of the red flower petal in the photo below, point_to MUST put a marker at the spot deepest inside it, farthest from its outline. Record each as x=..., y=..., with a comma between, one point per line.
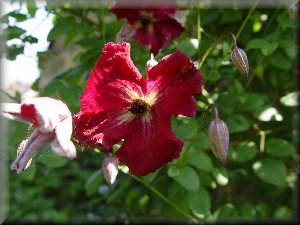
x=28, y=112
x=150, y=146
x=159, y=34
x=111, y=80
x=175, y=79
x=102, y=128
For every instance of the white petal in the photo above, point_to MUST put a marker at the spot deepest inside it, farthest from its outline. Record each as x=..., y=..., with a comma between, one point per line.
x=11, y=111
x=34, y=143
x=49, y=112
x=61, y=144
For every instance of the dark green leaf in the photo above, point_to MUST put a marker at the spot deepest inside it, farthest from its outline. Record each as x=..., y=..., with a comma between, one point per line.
x=188, y=45
x=188, y=178
x=52, y=160
x=226, y=212
x=243, y=152
x=279, y=148
x=200, y=202
x=237, y=123
x=271, y=171
x=200, y=160
x=93, y=183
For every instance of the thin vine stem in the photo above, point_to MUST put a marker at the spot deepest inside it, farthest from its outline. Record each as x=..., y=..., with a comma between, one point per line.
x=246, y=19
x=210, y=48
x=195, y=136
x=10, y=96
x=165, y=199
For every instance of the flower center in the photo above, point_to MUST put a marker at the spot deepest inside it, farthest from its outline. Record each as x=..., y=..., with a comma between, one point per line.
x=139, y=107
x=145, y=20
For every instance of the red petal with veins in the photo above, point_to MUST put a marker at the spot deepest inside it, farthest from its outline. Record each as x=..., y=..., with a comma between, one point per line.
x=150, y=146
x=112, y=77
x=149, y=142
x=159, y=34
x=175, y=79
x=102, y=128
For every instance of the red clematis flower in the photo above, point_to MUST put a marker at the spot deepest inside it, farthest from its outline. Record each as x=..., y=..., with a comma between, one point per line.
x=118, y=103
x=148, y=24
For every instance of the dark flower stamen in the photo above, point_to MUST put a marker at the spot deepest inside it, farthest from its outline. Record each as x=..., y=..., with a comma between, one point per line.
x=138, y=107
x=145, y=21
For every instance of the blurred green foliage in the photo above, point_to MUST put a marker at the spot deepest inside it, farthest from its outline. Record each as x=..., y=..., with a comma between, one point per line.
x=259, y=179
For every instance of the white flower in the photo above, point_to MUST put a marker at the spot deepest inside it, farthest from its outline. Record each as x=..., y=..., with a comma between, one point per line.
x=53, y=122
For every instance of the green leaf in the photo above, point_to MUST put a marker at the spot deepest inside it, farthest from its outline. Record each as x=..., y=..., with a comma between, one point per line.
x=188, y=178
x=29, y=173
x=214, y=75
x=200, y=202
x=269, y=48
x=188, y=45
x=226, y=212
x=31, y=7
x=62, y=26
x=252, y=102
x=283, y=213
x=13, y=51
x=278, y=56
x=12, y=32
x=184, y=128
x=237, y=123
x=256, y=43
x=200, y=160
x=201, y=141
x=271, y=171
x=93, y=182
x=30, y=39
x=20, y=17
x=263, y=210
x=173, y=171
x=242, y=153
x=52, y=160
x=279, y=148
x=247, y=211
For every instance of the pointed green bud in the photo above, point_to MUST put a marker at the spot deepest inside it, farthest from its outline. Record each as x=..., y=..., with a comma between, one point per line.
x=110, y=169
x=218, y=136
x=239, y=59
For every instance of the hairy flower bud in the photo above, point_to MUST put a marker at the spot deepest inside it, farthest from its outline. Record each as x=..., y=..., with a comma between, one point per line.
x=20, y=149
x=239, y=59
x=110, y=169
x=218, y=137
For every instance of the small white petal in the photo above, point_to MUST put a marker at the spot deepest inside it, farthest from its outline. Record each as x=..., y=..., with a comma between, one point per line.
x=11, y=111
x=61, y=144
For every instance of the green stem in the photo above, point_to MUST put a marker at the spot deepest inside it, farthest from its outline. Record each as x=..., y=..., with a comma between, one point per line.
x=10, y=96
x=246, y=19
x=165, y=199
x=198, y=29
x=195, y=136
x=211, y=47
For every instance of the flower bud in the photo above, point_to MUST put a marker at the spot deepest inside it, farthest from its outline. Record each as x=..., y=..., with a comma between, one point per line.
x=110, y=169
x=218, y=137
x=239, y=59
x=150, y=63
